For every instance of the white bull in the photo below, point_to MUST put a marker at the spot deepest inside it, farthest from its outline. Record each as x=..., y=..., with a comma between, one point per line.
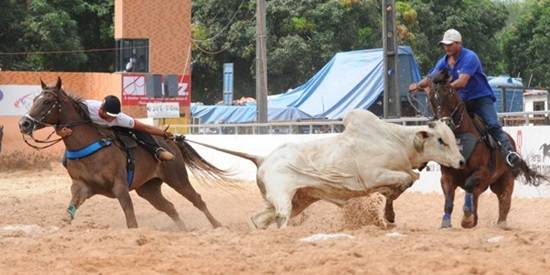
x=370, y=155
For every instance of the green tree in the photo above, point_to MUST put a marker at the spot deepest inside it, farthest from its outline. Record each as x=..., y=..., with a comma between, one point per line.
x=302, y=36
x=11, y=36
x=57, y=25
x=525, y=44
x=478, y=22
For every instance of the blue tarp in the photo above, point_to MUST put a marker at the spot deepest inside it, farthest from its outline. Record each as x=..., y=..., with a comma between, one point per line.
x=350, y=80
x=223, y=114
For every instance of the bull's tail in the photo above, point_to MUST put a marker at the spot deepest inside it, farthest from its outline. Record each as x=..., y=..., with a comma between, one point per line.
x=532, y=177
x=256, y=159
x=199, y=166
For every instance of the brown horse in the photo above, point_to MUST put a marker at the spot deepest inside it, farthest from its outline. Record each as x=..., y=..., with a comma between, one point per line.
x=105, y=171
x=485, y=167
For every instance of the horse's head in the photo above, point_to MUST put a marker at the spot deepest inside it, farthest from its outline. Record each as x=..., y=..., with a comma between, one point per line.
x=45, y=110
x=444, y=100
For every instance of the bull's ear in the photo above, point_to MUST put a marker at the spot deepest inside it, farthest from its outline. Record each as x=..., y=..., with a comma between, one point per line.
x=419, y=140
x=44, y=86
x=432, y=124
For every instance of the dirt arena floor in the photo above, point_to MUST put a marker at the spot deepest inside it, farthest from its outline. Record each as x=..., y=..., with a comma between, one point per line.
x=34, y=241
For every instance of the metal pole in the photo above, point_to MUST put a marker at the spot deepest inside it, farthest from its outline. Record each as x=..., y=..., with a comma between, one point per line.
x=392, y=101
x=261, y=64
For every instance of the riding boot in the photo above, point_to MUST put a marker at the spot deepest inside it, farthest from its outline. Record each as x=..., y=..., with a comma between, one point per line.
x=511, y=157
x=151, y=145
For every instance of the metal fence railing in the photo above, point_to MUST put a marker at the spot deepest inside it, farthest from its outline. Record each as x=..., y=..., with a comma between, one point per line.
x=336, y=126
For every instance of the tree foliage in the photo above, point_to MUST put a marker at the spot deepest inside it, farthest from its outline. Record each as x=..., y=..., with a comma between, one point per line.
x=525, y=44
x=510, y=36
x=302, y=35
x=477, y=21
x=57, y=25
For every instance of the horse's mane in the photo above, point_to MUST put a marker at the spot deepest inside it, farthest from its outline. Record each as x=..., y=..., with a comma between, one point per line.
x=79, y=104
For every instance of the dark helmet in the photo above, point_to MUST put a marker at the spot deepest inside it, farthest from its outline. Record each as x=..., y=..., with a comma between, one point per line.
x=111, y=105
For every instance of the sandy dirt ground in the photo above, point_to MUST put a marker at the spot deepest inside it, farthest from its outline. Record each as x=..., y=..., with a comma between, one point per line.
x=34, y=241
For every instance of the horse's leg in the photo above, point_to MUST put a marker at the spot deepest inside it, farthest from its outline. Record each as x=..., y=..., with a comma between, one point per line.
x=79, y=193
x=503, y=190
x=186, y=189
x=449, y=188
x=120, y=191
x=471, y=202
x=151, y=191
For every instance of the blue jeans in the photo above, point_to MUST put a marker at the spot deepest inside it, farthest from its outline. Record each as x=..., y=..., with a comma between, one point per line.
x=485, y=108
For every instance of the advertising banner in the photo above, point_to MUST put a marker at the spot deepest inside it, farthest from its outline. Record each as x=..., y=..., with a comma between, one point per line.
x=140, y=89
x=16, y=100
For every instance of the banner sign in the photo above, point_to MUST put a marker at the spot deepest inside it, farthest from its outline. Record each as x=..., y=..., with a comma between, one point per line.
x=134, y=90
x=16, y=100
x=163, y=109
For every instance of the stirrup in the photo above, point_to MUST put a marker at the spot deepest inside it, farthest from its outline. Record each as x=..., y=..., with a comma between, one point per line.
x=509, y=155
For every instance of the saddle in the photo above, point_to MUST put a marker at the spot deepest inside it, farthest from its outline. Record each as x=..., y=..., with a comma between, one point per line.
x=129, y=142
x=468, y=141
x=486, y=137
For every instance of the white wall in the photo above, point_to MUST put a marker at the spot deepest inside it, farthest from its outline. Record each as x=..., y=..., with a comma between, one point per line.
x=528, y=102
x=528, y=139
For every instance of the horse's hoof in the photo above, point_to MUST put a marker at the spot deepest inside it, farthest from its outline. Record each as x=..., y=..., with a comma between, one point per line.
x=216, y=225
x=67, y=220
x=503, y=225
x=181, y=226
x=468, y=221
x=446, y=224
x=390, y=225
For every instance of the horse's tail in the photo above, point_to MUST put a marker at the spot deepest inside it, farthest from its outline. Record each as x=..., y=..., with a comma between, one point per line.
x=199, y=166
x=256, y=159
x=532, y=177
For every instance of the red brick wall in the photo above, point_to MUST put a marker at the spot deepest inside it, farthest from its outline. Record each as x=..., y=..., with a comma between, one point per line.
x=167, y=25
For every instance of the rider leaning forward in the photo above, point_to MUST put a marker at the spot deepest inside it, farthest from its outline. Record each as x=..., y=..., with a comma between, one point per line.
x=108, y=114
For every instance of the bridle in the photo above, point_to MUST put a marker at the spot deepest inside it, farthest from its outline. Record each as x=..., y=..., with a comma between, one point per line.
x=449, y=120
x=40, y=121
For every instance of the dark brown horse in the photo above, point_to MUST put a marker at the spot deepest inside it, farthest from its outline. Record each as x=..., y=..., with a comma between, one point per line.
x=485, y=167
x=105, y=171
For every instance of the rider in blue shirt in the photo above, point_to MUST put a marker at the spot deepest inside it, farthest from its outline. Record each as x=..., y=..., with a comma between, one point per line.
x=469, y=80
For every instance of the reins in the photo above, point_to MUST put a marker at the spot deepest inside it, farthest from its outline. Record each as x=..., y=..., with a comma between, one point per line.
x=56, y=126
x=450, y=120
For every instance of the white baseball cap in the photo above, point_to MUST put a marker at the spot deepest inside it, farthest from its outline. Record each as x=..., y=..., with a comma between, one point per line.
x=451, y=36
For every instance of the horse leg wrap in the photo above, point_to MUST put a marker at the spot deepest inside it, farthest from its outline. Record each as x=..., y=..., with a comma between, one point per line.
x=468, y=203
x=71, y=210
x=470, y=184
x=448, y=210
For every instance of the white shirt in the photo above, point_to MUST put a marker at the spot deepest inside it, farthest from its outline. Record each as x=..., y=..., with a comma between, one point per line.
x=122, y=119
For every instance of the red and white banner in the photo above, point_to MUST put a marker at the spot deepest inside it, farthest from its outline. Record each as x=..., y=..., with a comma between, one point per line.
x=16, y=100
x=134, y=90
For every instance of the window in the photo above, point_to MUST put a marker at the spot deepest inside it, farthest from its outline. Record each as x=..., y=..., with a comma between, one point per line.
x=538, y=106
x=132, y=55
